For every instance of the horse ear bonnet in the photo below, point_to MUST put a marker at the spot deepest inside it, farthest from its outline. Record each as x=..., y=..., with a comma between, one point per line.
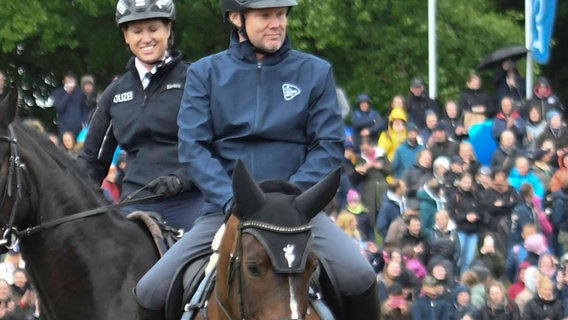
x=281, y=221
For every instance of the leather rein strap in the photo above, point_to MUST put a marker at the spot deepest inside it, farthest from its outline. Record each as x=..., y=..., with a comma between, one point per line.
x=17, y=171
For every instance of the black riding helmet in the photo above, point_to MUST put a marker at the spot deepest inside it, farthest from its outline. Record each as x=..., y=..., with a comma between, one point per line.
x=134, y=10
x=242, y=5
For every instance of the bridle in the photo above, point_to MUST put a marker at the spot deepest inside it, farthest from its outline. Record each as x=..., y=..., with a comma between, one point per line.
x=17, y=172
x=235, y=261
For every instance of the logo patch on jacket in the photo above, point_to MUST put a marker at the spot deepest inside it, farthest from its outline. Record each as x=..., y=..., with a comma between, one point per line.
x=123, y=97
x=170, y=86
x=290, y=91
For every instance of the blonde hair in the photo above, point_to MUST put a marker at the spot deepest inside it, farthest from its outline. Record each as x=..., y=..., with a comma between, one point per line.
x=500, y=286
x=465, y=144
x=35, y=124
x=544, y=280
x=346, y=220
x=443, y=213
x=469, y=278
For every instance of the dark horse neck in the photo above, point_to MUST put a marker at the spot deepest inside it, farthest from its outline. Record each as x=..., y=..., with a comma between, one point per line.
x=83, y=269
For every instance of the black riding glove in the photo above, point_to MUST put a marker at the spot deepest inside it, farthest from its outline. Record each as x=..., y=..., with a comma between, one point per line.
x=167, y=186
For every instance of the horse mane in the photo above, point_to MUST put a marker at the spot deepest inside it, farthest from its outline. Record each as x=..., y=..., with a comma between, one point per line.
x=37, y=147
x=40, y=141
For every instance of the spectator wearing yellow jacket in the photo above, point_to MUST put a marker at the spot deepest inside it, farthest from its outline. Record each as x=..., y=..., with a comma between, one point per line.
x=395, y=134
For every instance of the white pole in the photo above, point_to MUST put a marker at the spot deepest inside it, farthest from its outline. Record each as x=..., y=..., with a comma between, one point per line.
x=528, y=45
x=432, y=66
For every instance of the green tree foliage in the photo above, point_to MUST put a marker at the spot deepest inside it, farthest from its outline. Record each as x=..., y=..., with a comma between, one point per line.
x=379, y=46
x=374, y=46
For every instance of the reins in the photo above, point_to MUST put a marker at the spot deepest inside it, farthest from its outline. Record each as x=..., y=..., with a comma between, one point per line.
x=80, y=215
x=17, y=168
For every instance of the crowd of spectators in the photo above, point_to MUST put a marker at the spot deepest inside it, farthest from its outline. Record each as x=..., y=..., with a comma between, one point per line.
x=18, y=299
x=451, y=236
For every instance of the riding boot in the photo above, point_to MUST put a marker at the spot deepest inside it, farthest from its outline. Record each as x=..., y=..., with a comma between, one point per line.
x=365, y=306
x=147, y=314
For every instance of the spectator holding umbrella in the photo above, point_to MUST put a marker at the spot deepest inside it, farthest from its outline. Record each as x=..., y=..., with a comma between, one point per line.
x=508, y=82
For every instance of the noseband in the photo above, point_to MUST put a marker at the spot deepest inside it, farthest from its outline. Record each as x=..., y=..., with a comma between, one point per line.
x=17, y=172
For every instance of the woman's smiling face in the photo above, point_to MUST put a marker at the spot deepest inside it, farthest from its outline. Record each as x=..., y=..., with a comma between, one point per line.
x=148, y=39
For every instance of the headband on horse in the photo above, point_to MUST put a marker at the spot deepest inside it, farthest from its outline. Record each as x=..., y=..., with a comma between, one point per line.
x=281, y=222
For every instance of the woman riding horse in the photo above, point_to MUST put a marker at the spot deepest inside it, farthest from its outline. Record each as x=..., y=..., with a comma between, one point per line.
x=138, y=111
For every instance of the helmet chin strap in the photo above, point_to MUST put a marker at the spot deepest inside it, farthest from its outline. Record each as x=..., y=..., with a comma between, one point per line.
x=159, y=63
x=243, y=32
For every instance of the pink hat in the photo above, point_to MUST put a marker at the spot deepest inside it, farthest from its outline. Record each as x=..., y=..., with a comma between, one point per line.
x=536, y=243
x=352, y=195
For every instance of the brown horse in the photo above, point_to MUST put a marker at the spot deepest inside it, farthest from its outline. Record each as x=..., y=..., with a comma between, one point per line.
x=264, y=259
x=81, y=268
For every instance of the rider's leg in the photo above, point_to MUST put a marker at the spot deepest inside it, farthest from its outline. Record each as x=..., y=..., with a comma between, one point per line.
x=179, y=212
x=364, y=306
x=353, y=273
x=147, y=314
x=152, y=289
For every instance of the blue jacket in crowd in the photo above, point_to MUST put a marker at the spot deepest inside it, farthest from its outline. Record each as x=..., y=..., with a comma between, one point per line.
x=516, y=180
x=391, y=209
x=425, y=308
x=71, y=113
x=405, y=158
x=522, y=214
x=370, y=119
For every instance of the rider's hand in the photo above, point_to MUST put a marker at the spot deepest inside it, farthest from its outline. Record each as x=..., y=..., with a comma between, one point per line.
x=167, y=186
x=228, y=208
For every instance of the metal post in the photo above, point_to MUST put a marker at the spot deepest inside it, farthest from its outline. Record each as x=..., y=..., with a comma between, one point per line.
x=528, y=44
x=432, y=62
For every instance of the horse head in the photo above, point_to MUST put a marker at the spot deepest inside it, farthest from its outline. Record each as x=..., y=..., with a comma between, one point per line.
x=66, y=259
x=37, y=181
x=266, y=257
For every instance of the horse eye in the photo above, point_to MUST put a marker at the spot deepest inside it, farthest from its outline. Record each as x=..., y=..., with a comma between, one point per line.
x=253, y=269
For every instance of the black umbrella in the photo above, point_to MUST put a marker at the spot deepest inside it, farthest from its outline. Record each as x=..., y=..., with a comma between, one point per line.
x=496, y=58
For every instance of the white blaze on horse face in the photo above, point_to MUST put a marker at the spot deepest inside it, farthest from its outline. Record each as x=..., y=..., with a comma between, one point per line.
x=289, y=254
x=290, y=257
x=295, y=314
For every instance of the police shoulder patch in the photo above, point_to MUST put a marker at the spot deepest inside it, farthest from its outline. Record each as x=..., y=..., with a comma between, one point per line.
x=123, y=97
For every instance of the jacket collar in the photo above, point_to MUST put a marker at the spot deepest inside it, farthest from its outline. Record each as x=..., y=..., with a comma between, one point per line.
x=397, y=200
x=246, y=51
x=174, y=58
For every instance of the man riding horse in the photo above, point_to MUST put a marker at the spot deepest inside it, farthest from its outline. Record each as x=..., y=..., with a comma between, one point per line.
x=276, y=109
